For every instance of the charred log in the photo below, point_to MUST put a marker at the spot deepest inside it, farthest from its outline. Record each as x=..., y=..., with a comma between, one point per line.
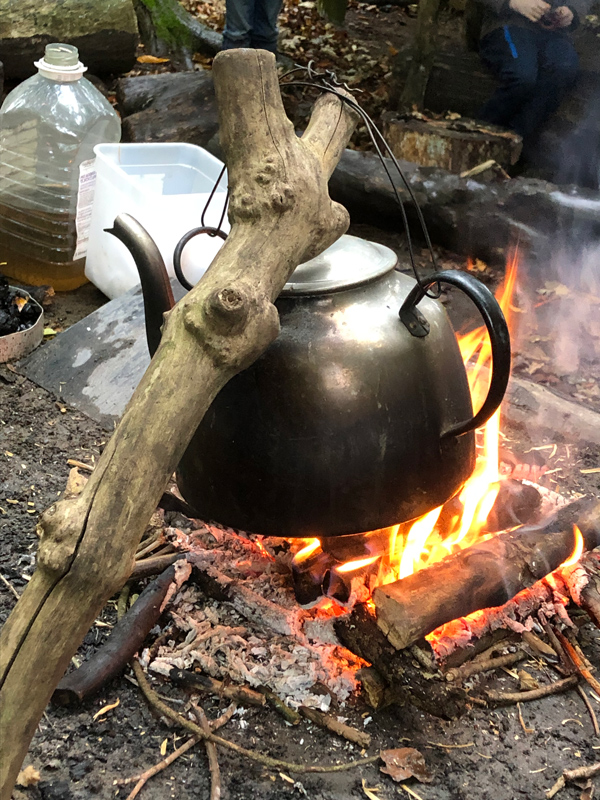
x=484, y=575
x=583, y=581
x=406, y=681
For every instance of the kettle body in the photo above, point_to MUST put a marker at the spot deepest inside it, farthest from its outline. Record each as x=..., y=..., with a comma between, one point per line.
x=356, y=417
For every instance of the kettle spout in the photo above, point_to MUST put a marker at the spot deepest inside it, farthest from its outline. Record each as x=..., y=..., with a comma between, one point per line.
x=156, y=287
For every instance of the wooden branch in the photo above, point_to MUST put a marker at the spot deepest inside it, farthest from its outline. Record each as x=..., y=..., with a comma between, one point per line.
x=281, y=215
x=583, y=581
x=484, y=575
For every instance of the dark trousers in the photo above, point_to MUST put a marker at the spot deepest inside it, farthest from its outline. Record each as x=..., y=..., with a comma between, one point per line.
x=251, y=23
x=535, y=68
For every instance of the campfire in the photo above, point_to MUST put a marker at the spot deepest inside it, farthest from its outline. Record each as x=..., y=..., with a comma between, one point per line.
x=492, y=568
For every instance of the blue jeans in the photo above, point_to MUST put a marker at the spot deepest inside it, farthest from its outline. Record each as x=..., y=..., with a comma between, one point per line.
x=251, y=23
x=535, y=68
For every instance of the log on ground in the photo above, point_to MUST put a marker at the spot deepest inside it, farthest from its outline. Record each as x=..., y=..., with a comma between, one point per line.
x=485, y=575
x=105, y=33
x=174, y=107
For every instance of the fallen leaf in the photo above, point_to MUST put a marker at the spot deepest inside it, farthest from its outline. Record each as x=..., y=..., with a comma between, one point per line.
x=152, y=60
x=49, y=332
x=28, y=776
x=527, y=681
x=370, y=792
x=405, y=762
x=163, y=747
x=105, y=709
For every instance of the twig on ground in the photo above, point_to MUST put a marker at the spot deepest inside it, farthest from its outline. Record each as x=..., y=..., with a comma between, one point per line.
x=289, y=714
x=335, y=726
x=211, y=752
x=72, y=462
x=526, y=730
x=474, y=667
x=590, y=708
x=539, y=645
x=565, y=664
x=204, y=683
x=267, y=761
x=144, y=777
x=10, y=586
x=507, y=698
x=581, y=773
x=579, y=664
x=123, y=601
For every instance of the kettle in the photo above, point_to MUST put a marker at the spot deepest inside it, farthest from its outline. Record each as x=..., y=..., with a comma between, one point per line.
x=357, y=417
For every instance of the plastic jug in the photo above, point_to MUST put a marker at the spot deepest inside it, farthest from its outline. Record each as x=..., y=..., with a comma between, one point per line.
x=49, y=126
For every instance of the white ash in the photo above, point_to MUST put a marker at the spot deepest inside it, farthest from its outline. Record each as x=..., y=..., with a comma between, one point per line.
x=259, y=636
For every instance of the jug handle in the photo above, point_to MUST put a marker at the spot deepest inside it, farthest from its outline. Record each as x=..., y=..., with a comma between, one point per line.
x=490, y=310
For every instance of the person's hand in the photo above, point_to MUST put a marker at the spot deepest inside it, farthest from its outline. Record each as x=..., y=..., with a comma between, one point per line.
x=532, y=9
x=564, y=16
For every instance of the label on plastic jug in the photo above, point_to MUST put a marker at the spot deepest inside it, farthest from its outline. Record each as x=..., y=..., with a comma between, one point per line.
x=85, y=199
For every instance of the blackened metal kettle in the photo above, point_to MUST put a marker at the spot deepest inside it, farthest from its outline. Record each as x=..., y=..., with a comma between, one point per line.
x=357, y=417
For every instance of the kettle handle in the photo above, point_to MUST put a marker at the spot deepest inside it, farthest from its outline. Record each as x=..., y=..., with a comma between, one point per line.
x=490, y=310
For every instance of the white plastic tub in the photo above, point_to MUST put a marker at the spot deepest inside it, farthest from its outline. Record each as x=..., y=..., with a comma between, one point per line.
x=164, y=186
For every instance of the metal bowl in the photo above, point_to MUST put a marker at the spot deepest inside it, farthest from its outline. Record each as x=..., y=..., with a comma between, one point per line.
x=17, y=345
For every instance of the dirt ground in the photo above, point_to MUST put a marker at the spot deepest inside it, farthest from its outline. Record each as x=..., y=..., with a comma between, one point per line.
x=486, y=753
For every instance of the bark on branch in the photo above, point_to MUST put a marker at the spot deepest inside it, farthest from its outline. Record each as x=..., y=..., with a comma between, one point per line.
x=281, y=215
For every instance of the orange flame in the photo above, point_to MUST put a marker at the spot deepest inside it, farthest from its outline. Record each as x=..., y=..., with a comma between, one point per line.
x=357, y=563
x=308, y=550
x=409, y=551
x=577, y=550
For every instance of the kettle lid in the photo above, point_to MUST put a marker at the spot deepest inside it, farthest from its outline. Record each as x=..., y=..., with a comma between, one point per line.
x=348, y=262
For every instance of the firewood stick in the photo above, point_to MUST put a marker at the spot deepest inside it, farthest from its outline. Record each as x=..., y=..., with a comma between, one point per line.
x=474, y=667
x=153, y=566
x=578, y=662
x=508, y=698
x=335, y=726
x=581, y=773
x=583, y=581
x=205, y=683
x=485, y=575
x=289, y=714
x=125, y=639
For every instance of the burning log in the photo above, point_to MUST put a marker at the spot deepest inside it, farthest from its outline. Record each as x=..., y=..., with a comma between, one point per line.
x=583, y=582
x=484, y=575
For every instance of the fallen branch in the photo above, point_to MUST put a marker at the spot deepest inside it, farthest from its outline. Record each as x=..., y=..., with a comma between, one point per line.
x=274, y=763
x=332, y=724
x=204, y=683
x=124, y=641
x=581, y=773
x=281, y=215
x=508, y=698
x=289, y=714
x=485, y=575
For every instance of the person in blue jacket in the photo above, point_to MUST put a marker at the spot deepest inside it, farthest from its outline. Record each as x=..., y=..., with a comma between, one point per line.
x=527, y=45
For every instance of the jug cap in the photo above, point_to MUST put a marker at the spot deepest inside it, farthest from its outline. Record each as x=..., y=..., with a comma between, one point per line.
x=349, y=262
x=61, y=62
